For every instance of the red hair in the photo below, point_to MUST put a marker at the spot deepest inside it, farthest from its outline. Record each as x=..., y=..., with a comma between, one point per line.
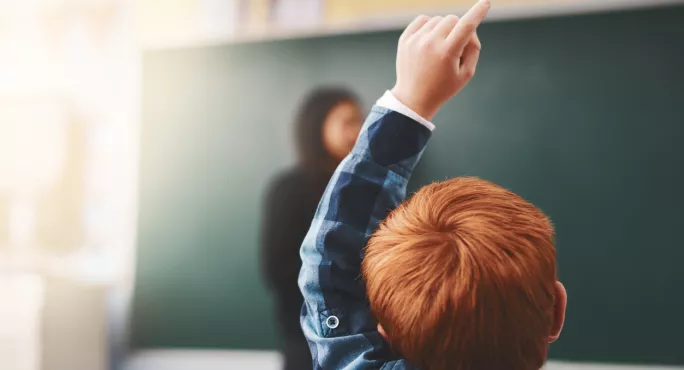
x=462, y=276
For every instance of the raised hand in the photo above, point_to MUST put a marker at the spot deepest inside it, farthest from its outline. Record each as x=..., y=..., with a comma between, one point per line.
x=436, y=58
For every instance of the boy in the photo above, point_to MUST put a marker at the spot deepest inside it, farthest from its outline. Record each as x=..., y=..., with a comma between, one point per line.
x=460, y=277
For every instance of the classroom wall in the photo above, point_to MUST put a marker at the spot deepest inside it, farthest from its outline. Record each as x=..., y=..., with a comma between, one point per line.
x=581, y=115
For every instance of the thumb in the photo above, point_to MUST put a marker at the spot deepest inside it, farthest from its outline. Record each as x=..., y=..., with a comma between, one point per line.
x=470, y=57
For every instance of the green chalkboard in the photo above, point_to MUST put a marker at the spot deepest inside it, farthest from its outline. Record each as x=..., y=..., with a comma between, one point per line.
x=582, y=115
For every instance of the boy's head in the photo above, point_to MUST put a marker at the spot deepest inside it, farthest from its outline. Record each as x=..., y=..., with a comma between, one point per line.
x=463, y=276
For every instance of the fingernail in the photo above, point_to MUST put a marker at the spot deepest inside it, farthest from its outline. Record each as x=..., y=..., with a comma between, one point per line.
x=487, y=2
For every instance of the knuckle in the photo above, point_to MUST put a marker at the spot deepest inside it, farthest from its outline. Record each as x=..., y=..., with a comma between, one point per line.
x=422, y=46
x=445, y=54
x=469, y=73
x=434, y=21
x=412, y=42
x=423, y=43
x=477, y=44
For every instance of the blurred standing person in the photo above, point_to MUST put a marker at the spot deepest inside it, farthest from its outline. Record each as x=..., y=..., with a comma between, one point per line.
x=326, y=128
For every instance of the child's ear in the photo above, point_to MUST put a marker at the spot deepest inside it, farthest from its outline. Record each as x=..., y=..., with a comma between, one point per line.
x=561, y=302
x=382, y=331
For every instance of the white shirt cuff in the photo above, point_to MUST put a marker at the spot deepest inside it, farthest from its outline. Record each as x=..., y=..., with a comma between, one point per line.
x=390, y=102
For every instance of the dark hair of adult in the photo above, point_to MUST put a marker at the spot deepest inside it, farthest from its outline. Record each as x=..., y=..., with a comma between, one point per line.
x=310, y=118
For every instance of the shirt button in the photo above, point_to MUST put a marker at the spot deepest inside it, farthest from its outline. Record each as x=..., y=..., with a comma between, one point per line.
x=332, y=322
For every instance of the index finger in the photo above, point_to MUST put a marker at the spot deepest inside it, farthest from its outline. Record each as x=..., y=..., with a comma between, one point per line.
x=460, y=35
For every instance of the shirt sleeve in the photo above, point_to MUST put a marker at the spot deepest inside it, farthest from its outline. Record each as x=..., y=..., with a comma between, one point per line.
x=389, y=101
x=367, y=185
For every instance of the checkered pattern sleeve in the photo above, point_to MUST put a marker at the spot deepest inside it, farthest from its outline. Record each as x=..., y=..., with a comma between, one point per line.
x=367, y=185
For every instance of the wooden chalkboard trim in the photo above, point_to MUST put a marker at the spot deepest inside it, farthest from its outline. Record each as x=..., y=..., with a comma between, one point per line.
x=398, y=21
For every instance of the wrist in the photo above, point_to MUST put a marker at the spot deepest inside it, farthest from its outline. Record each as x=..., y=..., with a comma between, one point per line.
x=423, y=107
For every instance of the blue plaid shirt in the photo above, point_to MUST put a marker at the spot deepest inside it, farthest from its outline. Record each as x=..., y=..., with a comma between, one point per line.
x=365, y=188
